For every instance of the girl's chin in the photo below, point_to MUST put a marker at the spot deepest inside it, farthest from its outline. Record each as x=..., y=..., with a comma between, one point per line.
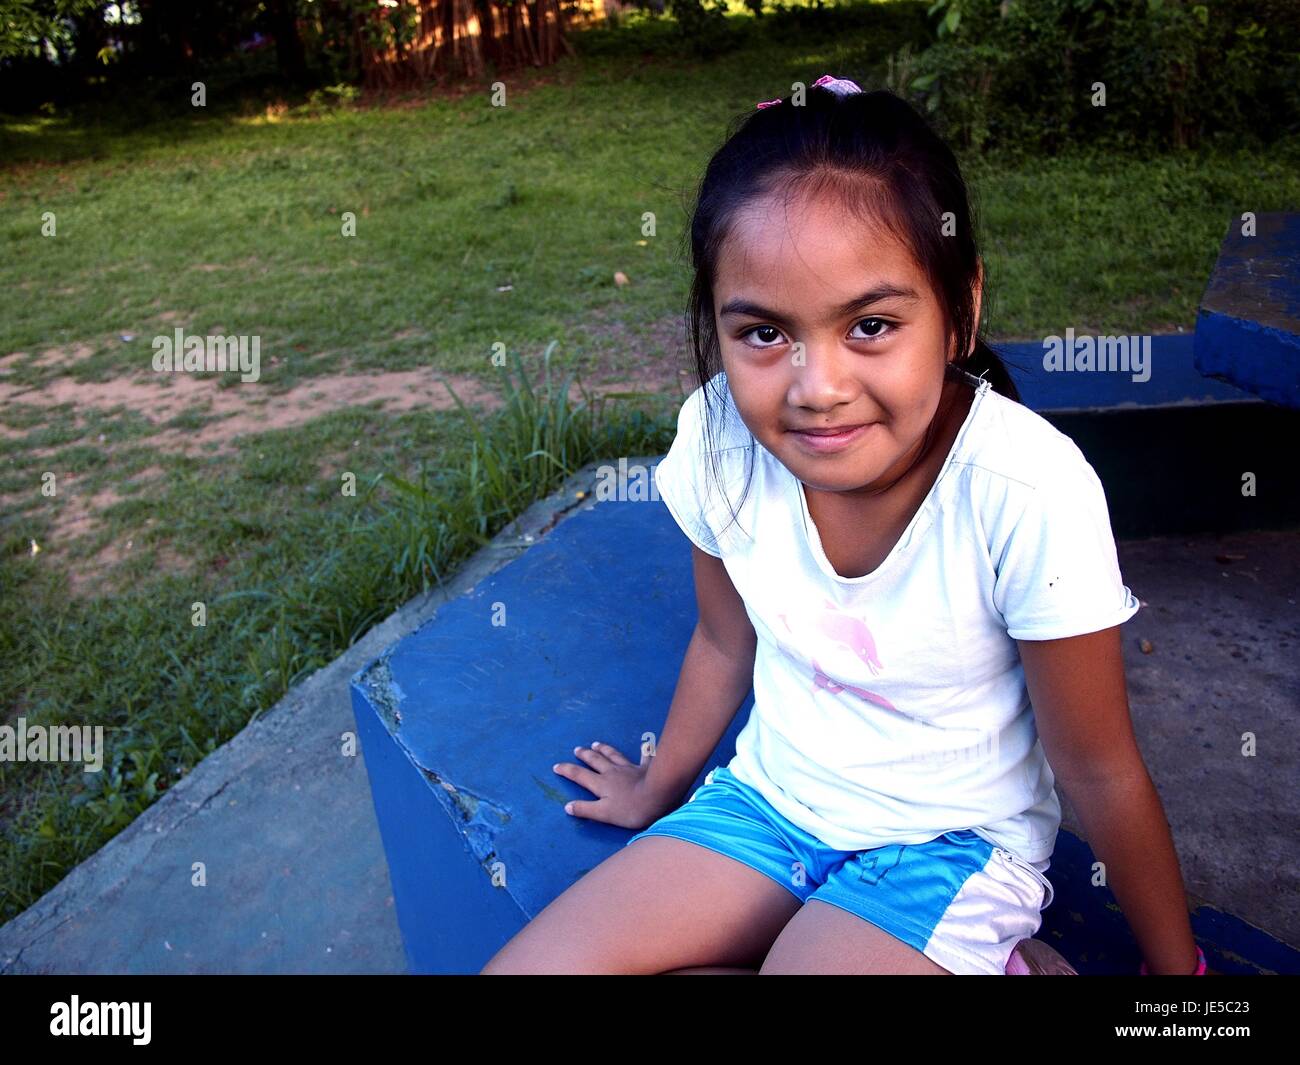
x=817, y=476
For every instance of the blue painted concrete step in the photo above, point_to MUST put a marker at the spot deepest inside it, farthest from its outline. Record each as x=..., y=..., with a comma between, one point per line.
x=462, y=720
x=1248, y=326
x=1157, y=371
x=1176, y=451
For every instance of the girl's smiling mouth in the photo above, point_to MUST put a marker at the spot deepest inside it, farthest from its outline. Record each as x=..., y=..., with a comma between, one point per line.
x=834, y=438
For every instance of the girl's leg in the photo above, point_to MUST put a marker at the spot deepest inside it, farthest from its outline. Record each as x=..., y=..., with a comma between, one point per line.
x=823, y=938
x=657, y=904
x=954, y=904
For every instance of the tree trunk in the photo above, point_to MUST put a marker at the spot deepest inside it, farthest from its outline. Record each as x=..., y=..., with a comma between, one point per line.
x=283, y=24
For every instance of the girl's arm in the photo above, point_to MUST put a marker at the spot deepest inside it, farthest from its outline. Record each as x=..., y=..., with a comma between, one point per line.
x=716, y=676
x=1080, y=701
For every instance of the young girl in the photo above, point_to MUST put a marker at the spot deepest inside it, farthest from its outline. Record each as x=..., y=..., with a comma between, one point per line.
x=915, y=573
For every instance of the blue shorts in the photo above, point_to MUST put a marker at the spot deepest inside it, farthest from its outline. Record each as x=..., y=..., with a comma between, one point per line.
x=960, y=900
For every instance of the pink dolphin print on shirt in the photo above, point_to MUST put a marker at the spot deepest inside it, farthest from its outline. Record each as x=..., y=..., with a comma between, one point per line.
x=821, y=680
x=848, y=632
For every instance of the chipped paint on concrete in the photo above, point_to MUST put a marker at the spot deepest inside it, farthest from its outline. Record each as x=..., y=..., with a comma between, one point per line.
x=480, y=818
x=383, y=692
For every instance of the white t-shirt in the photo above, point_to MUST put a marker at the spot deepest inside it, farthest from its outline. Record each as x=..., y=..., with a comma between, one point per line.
x=892, y=707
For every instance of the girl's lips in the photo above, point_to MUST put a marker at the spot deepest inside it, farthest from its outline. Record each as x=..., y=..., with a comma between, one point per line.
x=823, y=443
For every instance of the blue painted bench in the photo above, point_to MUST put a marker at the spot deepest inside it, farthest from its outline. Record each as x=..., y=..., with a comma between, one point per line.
x=1248, y=325
x=461, y=721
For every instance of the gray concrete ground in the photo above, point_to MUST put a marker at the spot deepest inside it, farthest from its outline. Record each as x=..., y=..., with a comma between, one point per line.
x=295, y=874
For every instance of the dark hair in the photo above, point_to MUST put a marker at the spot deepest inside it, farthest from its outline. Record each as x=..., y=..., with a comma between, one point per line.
x=883, y=159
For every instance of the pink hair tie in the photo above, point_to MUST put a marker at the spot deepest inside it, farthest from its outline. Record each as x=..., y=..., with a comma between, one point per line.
x=839, y=86
x=1200, y=967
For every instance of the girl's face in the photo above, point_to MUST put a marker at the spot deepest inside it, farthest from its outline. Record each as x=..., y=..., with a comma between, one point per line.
x=824, y=324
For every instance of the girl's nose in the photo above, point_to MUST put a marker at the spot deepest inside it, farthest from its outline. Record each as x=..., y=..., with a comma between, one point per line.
x=820, y=376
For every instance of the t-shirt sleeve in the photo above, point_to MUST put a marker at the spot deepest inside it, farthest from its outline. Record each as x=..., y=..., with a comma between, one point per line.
x=1058, y=574
x=679, y=476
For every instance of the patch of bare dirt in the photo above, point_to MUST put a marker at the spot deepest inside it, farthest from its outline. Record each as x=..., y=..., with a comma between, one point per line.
x=91, y=574
x=74, y=512
x=56, y=356
x=248, y=407
x=656, y=358
x=622, y=359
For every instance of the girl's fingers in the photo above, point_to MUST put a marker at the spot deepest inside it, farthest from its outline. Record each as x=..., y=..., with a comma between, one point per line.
x=595, y=758
x=581, y=808
x=579, y=774
x=612, y=753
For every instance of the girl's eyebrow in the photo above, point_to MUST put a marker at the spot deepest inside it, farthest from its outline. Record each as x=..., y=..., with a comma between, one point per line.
x=874, y=295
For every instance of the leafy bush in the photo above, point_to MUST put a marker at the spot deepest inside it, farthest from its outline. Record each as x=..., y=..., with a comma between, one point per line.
x=1042, y=74
x=703, y=26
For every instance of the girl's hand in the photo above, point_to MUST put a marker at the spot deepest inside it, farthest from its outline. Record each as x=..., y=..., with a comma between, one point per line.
x=623, y=798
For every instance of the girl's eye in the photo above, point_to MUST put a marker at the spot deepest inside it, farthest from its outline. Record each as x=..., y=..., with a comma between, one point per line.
x=878, y=327
x=884, y=327
x=762, y=329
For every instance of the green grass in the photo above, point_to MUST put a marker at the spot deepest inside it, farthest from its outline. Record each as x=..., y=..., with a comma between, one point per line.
x=231, y=222
x=290, y=572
